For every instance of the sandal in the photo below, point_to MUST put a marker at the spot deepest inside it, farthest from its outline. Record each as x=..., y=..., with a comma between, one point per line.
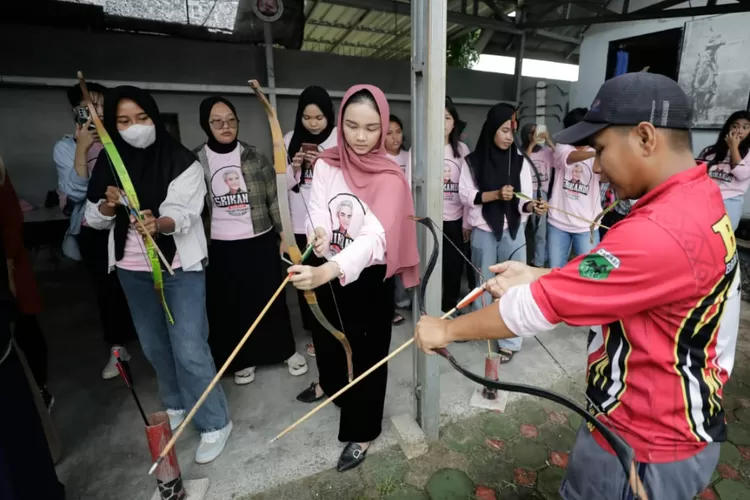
x=310, y=348
x=506, y=355
x=297, y=365
x=397, y=319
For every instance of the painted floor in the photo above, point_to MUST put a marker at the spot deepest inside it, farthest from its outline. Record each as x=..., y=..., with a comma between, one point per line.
x=518, y=454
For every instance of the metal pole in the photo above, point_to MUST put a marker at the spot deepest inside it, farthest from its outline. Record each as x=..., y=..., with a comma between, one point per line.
x=518, y=77
x=429, y=26
x=270, y=71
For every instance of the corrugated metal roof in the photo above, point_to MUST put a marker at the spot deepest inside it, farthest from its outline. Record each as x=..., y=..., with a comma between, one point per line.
x=354, y=31
x=358, y=32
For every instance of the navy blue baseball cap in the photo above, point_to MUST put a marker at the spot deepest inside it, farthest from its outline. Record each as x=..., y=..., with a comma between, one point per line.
x=630, y=99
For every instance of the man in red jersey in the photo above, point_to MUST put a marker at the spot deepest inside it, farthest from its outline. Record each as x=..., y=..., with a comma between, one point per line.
x=664, y=286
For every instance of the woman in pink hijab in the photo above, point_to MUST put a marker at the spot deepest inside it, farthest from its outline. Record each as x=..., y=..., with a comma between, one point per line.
x=359, y=263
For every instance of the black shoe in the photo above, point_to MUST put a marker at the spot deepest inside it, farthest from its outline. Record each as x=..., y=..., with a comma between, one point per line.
x=308, y=395
x=351, y=457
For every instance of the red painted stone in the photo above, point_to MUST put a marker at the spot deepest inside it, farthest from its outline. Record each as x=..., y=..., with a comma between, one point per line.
x=555, y=417
x=708, y=494
x=529, y=431
x=559, y=459
x=727, y=471
x=745, y=451
x=524, y=477
x=484, y=493
x=495, y=444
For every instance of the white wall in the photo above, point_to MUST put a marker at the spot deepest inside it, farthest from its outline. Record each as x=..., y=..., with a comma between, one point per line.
x=593, y=60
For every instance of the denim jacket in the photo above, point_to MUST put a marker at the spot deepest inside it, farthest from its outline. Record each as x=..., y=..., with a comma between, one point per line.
x=74, y=187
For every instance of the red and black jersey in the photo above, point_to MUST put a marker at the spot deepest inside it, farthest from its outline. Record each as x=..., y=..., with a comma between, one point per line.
x=664, y=285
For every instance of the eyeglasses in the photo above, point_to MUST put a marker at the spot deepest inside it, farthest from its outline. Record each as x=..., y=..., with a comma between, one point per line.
x=218, y=124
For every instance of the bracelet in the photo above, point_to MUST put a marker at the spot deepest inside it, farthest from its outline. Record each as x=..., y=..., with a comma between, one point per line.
x=158, y=226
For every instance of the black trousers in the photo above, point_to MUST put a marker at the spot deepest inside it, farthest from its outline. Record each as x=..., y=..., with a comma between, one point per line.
x=453, y=263
x=366, y=308
x=30, y=339
x=26, y=468
x=117, y=325
x=308, y=320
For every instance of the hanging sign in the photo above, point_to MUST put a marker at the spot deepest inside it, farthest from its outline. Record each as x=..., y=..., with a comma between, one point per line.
x=268, y=10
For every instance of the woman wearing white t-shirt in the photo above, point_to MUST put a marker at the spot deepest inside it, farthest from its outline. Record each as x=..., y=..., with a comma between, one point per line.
x=729, y=163
x=314, y=125
x=243, y=224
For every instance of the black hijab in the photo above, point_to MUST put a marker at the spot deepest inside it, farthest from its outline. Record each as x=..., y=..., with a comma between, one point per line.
x=493, y=168
x=151, y=169
x=205, y=114
x=311, y=95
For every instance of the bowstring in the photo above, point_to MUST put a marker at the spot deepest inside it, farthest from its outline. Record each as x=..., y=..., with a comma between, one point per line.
x=307, y=210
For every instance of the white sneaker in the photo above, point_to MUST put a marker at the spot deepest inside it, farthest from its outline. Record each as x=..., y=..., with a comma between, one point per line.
x=297, y=364
x=212, y=444
x=244, y=377
x=176, y=417
x=110, y=369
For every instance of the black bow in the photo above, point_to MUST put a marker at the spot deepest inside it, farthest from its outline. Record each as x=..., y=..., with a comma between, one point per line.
x=624, y=452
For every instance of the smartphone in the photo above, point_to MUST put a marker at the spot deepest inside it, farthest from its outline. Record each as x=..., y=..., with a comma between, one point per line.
x=82, y=116
x=540, y=129
x=308, y=147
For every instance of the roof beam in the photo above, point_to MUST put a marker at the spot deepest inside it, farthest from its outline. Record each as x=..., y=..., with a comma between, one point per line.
x=349, y=30
x=642, y=15
x=473, y=22
x=593, y=7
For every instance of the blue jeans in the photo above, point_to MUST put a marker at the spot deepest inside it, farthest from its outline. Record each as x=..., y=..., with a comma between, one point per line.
x=559, y=243
x=486, y=251
x=540, y=237
x=734, y=210
x=179, y=353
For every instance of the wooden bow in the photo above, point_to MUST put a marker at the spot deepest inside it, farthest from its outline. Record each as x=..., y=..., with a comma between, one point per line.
x=282, y=191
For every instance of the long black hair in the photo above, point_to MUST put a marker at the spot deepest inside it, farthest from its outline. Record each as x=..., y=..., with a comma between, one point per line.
x=526, y=138
x=395, y=119
x=458, y=127
x=721, y=149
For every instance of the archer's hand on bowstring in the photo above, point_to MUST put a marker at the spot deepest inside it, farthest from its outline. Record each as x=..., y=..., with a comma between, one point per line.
x=112, y=198
x=510, y=274
x=150, y=223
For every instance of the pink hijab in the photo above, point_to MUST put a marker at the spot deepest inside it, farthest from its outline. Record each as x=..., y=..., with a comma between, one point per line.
x=381, y=184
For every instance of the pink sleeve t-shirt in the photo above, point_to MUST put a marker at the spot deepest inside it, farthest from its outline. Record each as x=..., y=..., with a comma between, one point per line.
x=230, y=212
x=732, y=181
x=403, y=160
x=544, y=160
x=299, y=200
x=576, y=190
x=357, y=238
x=468, y=192
x=453, y=208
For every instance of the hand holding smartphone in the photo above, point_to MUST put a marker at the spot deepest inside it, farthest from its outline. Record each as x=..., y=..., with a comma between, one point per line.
x=311, y=153
x=540, y=134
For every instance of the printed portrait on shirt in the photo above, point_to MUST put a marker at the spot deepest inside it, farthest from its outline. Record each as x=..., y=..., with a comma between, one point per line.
x=543, y=170
x=228, y=190
x=347, y=217
x=577, y=181
x=451, y=174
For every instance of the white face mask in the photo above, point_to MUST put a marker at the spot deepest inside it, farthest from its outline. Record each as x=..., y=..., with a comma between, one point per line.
x=139, y=136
